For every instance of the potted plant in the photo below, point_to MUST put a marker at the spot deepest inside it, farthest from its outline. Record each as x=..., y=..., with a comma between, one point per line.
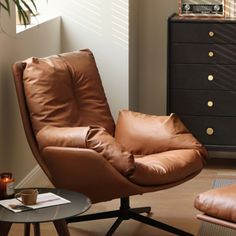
x=25, y=9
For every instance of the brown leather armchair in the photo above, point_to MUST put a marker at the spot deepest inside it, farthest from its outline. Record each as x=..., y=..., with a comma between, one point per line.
x=73, y=137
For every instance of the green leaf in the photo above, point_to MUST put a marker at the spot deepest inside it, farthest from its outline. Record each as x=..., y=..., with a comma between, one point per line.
x=28, y=7
x=6, y=6
x=22, y=7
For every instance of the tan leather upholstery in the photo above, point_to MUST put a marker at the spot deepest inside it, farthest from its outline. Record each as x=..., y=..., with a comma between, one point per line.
x=70, y=129
x=62, y=136
x=143, y=134
x=103, y=143
x=168, y=149
x=60, y=92
x=219, y=203
x=166, y=167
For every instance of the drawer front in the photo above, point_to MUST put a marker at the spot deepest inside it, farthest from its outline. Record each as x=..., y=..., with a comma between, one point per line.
x=207, y=103
x=203, y=76
x=203, y=33
x=212, y=130
x=203, y=53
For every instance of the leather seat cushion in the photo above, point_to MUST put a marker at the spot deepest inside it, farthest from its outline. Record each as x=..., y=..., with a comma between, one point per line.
x=167, y=167
x=219, y=203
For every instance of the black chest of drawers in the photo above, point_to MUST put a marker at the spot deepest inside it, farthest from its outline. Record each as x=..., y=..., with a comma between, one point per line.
x=201, y=85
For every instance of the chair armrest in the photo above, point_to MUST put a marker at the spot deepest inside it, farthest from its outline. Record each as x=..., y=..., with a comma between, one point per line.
x=91, y=137
x=62, y=136
x=86, y=171
x=99, y=140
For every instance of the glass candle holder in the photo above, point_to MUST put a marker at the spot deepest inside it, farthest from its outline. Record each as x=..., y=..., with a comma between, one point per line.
x=6, y=185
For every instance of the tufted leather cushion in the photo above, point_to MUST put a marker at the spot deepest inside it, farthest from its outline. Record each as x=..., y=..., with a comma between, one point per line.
x=60, y=92
x=143, y=134
x=218, y=202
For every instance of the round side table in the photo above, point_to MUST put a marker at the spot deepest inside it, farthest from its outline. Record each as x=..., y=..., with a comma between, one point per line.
x=57, y=214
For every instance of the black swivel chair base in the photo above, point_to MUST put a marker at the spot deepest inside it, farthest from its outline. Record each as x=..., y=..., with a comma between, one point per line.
x=126, y=213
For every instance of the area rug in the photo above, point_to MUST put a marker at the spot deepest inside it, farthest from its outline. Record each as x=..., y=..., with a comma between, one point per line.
x=208, y=229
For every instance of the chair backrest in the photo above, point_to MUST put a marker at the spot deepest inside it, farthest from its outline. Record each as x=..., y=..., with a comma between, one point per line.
x=18, y=69
x=62, y=90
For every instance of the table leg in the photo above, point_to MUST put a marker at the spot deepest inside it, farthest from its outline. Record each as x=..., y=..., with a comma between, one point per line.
x=27, y=229
x=61, y=227
x=5, y=228
x=36, y=229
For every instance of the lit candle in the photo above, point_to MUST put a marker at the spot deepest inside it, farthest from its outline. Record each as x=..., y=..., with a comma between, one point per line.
x=6, y=185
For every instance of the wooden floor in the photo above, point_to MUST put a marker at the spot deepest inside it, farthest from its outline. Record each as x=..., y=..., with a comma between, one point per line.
x=173, y=206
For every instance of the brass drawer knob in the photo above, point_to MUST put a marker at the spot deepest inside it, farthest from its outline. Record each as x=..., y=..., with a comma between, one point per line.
x=211, y=54
x=210, y=103
x=211, y=34
x=210, y=77
x=210, y=131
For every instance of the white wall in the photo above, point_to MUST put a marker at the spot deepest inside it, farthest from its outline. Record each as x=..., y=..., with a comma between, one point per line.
x=92, y=23
x=5, y=56
x=134, y=55
x=102, y=26
x=132, y=63
x=153, y=15
x=42, y=40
